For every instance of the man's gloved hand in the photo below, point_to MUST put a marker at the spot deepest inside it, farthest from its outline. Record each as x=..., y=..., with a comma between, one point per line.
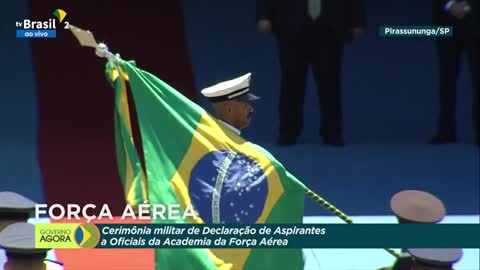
x=264, y=26
x=459, y=10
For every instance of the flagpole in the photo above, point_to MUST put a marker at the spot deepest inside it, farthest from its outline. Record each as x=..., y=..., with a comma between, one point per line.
x=87, y=39
x=102, y=51
x=334, y=210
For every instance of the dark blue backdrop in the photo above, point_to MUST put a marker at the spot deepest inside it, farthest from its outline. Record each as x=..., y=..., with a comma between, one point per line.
x=389, y=83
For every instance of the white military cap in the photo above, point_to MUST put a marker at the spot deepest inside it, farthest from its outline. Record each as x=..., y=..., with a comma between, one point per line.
x=436, y=258
x=19, y=238
x=416, y=206
x=238, y=88
x=14, y=203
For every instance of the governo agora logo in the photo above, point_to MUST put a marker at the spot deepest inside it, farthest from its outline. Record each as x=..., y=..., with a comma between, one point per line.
x=87, y=235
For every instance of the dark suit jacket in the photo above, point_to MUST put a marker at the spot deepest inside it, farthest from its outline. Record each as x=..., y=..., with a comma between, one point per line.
x=288, y=16
x=471, y=23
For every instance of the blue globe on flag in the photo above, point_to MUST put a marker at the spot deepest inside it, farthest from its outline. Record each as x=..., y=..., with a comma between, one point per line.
x=227, y=187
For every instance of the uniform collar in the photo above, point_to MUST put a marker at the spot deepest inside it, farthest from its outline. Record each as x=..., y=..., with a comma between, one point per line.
x=234, y=129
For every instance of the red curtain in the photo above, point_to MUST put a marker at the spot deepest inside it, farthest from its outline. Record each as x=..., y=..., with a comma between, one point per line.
x=76, y=141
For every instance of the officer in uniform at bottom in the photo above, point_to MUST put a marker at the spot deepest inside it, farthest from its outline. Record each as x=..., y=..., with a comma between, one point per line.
x=434, y=258
x=231, y=102
x=414, y=206
x=14, y=208
x=18, y=240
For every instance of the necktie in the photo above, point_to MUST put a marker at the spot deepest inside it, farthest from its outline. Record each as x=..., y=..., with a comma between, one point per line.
x=314, y=8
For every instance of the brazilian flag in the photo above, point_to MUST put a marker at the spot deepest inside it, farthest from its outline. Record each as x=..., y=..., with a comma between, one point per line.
x=191, y=159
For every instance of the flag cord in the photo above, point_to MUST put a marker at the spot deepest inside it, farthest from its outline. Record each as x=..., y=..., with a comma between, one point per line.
x=337, y=212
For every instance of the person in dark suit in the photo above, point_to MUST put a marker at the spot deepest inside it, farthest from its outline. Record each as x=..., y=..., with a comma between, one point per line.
x=463, y=16
x=311, y=32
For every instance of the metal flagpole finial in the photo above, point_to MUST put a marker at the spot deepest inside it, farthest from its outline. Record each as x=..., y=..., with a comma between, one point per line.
x=86, y=39
x=102, y=51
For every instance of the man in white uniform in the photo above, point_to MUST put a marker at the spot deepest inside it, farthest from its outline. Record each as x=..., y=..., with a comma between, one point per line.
x=231, y=102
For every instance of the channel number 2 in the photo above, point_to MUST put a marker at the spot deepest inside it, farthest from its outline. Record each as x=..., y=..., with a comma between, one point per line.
x=67, y=25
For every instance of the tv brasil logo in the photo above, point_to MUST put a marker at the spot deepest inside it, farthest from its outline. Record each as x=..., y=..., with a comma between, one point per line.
x=41, y=29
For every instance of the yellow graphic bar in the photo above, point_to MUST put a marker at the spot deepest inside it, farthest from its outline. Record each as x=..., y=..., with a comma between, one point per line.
x=53, y=235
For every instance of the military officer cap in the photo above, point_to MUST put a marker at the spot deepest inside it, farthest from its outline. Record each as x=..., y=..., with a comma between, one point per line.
x=415, y=206
x=435, y=258
x=18, y=240
x=15, y=206
x=236, y=89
